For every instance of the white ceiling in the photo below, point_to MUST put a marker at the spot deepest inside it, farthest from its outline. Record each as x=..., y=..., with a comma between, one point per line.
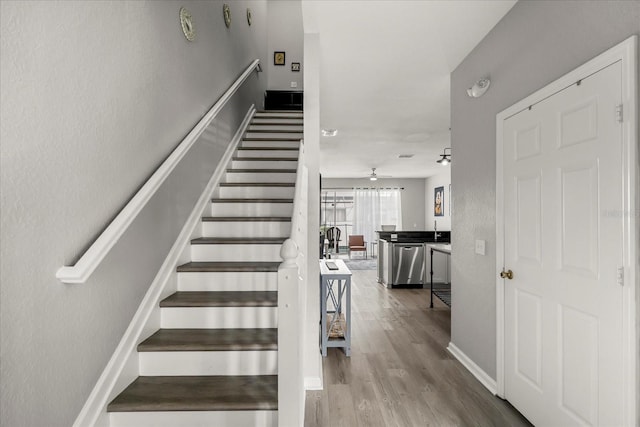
x=384, y=79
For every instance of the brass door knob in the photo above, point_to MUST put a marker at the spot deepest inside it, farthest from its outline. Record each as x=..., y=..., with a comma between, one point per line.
x=507, y=274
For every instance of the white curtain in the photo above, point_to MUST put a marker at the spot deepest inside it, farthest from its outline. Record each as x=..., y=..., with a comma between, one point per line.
x=374, y=207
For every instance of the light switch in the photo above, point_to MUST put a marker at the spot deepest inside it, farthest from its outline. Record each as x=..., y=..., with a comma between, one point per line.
x=294, y=84
x=480, y=247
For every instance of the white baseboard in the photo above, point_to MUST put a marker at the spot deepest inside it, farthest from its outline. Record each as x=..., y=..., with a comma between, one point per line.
x=313, y=383
x=94, y=409
x=477, y=372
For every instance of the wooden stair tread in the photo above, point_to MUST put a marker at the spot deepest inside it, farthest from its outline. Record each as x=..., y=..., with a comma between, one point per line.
x=264, y=159
x=269, y=148
x=271, y=139
x=298, y=123
x=236, y=200
x=228, y=266
x=221, y=299
x=199, y=393
x=279, y=114
x=211, y=340
x=257, y=184
x=272, y=130
x=246, y=219
x=261, y=170
x=238, y=241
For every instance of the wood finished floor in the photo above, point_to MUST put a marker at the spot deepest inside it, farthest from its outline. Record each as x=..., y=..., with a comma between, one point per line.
x=400, y=373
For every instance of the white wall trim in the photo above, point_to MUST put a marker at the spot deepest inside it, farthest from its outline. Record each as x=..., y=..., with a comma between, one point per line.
x=91, y=259
x=313, y=383
x=477, y=372
x=106, y=387
x=626, y=53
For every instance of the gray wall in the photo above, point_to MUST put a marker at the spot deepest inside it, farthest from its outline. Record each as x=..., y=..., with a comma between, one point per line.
x=95, y=95
x=534, y=44
x=413, y=202
x=443, y=179
x=285, y=34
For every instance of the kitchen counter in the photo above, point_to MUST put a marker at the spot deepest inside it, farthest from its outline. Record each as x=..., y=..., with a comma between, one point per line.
x=414, y=236
x=440, y=247
x=404, y=257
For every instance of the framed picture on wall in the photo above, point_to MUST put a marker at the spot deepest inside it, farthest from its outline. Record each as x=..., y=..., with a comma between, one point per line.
x=438, y=201
x=278, y=58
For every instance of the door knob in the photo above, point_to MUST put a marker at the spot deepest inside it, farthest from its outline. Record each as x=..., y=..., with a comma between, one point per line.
x=506, y=274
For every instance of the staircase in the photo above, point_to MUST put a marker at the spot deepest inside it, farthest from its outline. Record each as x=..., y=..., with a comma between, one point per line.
x=214, y=361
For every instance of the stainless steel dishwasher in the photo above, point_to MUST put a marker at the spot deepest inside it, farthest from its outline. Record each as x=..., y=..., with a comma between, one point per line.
x=408, y=264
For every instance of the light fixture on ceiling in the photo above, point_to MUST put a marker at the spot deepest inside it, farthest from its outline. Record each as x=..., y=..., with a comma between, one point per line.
x=373, y=176
x=329, y=132
x=446, y=158
x=479, y=88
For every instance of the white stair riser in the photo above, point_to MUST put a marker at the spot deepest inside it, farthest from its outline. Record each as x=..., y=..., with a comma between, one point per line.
x=246, y=229
x=256, y=192
x=264, y=164
x=228, y=281
x=195, y=419
x=251, y=209
x=260, y=177
x=291, y=154
x=173, y=363
x=272, y=135
x=218, y=317
x=245, y=252
x=262, y=127
x=275, y=123
x=271, y=144
x=286, y=114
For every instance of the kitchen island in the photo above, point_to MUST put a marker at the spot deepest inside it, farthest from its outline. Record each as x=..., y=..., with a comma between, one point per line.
x=440, y=290
x=404, y=259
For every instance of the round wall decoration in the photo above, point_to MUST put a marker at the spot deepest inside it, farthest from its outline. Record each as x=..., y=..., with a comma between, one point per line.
x=226, y=11
x=249, y=17
x=187, y=24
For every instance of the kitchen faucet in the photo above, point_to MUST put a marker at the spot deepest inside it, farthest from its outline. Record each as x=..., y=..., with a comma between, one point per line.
x=435, y=230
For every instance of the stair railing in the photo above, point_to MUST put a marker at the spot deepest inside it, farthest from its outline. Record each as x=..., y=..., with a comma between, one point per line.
x=291, y=277
x=91, y=259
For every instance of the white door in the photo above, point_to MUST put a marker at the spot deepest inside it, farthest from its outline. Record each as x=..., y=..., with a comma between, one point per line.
x=563, y=198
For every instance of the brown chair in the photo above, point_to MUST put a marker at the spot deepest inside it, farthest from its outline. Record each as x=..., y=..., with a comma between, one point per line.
x=357, y=244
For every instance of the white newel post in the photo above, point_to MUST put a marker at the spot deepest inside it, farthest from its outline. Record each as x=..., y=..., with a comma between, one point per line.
x=290, y=378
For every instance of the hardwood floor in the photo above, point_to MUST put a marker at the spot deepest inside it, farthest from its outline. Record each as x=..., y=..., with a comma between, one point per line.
x=400, y=373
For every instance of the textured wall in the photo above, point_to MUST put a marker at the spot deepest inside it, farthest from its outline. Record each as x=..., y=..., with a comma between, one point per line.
x=413, y=201
x=534, y=44
x=443, y=179
x=95, y=95
x=285, y=34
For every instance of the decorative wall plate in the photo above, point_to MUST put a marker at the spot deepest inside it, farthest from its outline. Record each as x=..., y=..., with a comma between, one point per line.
x=226, y=11
x=187, y=24
x=249, y=17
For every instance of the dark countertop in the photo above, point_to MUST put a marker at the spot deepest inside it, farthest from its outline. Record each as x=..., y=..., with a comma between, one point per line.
x=415, y=236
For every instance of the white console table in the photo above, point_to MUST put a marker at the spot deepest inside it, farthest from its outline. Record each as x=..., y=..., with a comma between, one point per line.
x=335, y=285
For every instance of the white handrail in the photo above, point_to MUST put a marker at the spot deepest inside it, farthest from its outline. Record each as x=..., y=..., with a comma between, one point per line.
x=291, y=279
x=91, y=259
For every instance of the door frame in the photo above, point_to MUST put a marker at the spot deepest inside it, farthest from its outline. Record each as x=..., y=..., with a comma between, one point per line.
x=626, y=53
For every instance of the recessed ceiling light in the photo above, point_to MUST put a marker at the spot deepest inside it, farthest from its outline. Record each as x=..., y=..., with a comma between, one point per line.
x=329, y=132
x=405, y=156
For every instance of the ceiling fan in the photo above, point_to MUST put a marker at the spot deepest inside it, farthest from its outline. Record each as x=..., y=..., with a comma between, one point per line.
x=374, y=176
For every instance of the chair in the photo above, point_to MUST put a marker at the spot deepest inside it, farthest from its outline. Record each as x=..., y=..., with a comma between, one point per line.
x=333, y=236
x=357, y=244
